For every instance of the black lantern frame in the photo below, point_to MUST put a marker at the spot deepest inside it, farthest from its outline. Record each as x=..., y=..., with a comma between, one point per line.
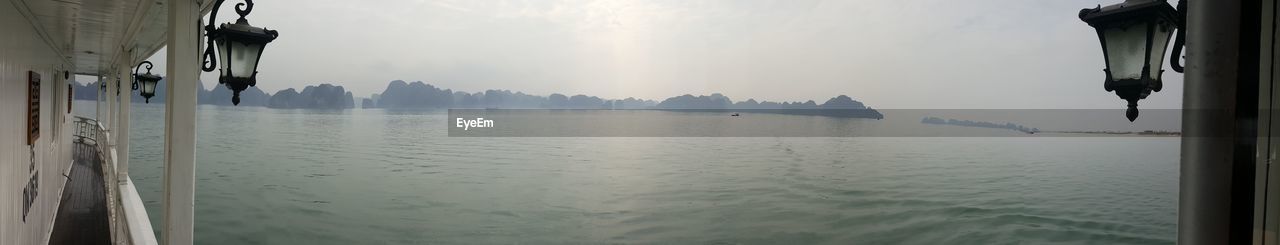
x=1155, y=21
x=146, y=82
x=231, y=39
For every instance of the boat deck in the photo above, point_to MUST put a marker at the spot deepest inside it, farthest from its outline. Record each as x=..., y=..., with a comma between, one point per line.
x=82, y=216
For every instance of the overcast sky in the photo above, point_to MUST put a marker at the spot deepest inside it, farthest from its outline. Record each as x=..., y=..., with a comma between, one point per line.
x=938, y=54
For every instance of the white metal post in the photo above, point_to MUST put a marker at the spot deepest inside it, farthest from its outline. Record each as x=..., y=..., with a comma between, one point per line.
x=110, y=120
x=1213, y=205
x=115, y=109
x=97, y=100
x=122, y=136
x=180, y=122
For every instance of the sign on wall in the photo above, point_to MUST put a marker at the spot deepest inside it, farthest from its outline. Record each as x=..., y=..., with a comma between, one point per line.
x=70, y=95
x=32, y=189
x=33, y=107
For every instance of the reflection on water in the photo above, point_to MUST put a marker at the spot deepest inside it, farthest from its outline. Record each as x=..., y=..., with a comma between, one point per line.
x=371, y=176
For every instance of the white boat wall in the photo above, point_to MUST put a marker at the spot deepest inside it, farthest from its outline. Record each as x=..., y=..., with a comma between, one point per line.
x=31, y=176
x=43, y=46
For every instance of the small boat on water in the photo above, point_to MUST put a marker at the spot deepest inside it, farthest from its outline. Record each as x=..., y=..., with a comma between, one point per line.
x=734, y=115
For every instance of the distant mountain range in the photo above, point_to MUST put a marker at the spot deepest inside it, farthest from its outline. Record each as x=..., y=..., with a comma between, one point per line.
x=401, y=94
x=979, y=124
x=312, y=97
x=220, y=95
x=719, y=101
x=325, y=96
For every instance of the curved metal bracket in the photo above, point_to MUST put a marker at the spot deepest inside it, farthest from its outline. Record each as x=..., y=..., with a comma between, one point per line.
x=1179, y=40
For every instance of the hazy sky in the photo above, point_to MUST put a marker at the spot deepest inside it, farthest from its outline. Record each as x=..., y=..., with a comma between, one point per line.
x=889, y=54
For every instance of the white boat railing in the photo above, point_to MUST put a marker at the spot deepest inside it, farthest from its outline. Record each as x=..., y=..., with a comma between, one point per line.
x=126, y=213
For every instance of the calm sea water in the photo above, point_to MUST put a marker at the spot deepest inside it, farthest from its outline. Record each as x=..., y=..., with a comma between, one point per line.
x=270, y=176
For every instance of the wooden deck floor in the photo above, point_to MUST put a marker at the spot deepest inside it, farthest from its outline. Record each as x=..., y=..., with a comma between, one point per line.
x=82, y=216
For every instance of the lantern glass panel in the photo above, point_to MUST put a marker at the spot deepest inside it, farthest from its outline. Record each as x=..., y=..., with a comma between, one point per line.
x=223, y=57
x=149, y=87
x=1126, y=49
x=1160, y=42
x=244, y=58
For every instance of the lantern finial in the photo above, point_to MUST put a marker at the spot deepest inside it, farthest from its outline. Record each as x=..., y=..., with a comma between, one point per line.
x=1132, y=112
